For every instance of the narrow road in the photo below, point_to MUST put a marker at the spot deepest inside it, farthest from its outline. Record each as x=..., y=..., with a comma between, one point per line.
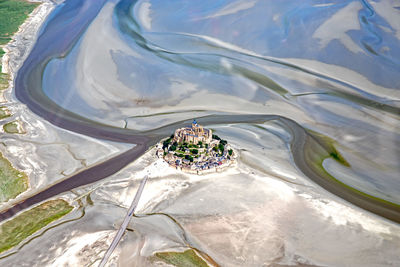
x=125, y=223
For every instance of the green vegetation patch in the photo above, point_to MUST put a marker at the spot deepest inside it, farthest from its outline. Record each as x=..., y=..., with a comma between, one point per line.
x=328, y=144
x=188, y=258
x=4, y=112
x=13, y=231
x=12, y=14
x=4, y=77
x=13, y=127
x=12, y=181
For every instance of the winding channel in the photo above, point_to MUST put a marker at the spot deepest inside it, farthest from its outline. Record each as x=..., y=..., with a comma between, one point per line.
x=56, y=40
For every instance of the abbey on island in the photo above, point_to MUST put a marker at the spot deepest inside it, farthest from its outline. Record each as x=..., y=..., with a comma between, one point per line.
x=196, y=149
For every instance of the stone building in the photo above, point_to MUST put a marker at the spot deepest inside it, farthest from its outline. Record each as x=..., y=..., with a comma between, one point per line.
x=193, y=134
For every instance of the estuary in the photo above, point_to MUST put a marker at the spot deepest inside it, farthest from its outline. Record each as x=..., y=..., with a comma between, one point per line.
x=308, y=93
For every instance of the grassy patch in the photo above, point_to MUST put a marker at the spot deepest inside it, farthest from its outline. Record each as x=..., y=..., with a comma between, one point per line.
x=13, y=127
x=14, y=231
x=188, y=258
x=4, y=113
x=4, y=77
x=12, y=14
x=328, y=144
x=12, y=181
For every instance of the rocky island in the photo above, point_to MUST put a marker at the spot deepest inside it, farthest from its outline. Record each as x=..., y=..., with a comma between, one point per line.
x=195, y=149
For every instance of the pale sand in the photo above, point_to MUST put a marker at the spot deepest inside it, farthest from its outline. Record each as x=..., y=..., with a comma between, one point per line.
x=35, y=151
x=245, y=216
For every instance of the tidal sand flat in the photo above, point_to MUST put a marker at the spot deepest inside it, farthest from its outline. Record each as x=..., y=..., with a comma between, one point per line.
x=40, y=154
x=34, y=152
x=262, y=212
x=307, y=93
x=235, y=77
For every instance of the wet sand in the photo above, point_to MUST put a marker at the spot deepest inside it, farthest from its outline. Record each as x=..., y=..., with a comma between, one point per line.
x=58, y=38
x=302, y=143
x=248, y=215
x=306, y=90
